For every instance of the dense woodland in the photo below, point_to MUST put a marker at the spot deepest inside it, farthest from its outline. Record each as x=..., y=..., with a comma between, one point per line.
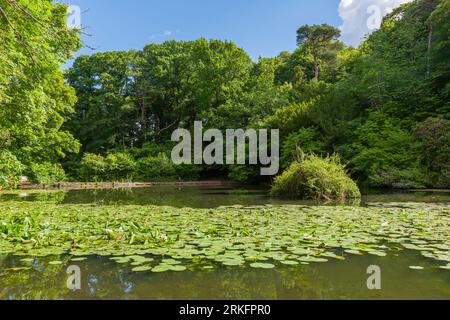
x=383, y=108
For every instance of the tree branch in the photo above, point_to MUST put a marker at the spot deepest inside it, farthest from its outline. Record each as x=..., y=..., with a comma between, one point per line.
x=21, y=39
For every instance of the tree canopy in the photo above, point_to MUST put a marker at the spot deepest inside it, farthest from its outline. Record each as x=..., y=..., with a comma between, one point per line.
x=384, y=107
x=34, y=98
x=319, y=39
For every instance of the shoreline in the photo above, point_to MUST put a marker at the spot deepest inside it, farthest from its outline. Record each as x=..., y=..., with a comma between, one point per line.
x=122, y=185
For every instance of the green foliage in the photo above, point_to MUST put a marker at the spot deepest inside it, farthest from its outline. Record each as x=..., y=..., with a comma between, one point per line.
x=157, y=155
x=34, y=99
x=244, y=174
x=93, y=168
x=306, y=139
x=103, y=84
x=397, y=178
x=46, y=173
x=123, y=167
x=290, y=118
x=5, y=138
x=141, y=97
x=188, y=172
x=434, y=136
x=120, y=166
x=11, y=170
x=155, y=168
x=321, y=41
x=163, y=238
x=260, y=99
x=395, y=72
x=383, y=149
x=383, y=107
x=113, y=167
x=391, y=84
x=151, y=149
x=295, y=67
x=312, y=177
x=439, y=60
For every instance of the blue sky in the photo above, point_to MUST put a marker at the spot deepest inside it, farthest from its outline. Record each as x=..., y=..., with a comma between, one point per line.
x=261, y=27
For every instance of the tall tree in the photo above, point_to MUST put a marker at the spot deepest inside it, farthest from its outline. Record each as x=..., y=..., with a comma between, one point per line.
x=106, y=117
x=317, y=38
x=34, y=99
x=139, y=97
x=179, y=82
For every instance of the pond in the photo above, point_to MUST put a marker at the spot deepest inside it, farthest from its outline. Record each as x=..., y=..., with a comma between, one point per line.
x=207, y=197
x=203, y=243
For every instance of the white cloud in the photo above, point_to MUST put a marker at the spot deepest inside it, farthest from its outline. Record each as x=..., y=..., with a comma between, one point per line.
x=361, y=17
x=165, y=34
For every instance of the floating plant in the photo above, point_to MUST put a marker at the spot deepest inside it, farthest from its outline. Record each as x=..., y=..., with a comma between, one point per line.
x=161, y=239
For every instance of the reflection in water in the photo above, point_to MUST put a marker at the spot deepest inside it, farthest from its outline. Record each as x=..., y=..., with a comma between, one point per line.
x=104, y=279
x=202, y=197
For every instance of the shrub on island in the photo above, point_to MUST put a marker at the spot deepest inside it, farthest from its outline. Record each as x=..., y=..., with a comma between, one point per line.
x=313, y=177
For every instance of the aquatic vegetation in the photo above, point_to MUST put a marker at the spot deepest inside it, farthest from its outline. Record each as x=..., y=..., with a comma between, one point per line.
x=416, y=268
x=78, y=259
x=142, y=269
x=262, y=265
x=312, y=177
x=161, y=239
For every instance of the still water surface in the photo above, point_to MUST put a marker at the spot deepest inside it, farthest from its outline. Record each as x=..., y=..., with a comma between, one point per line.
x=102, y=278
x=206, y=197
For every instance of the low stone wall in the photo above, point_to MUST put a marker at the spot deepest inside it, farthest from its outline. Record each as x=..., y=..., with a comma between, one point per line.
x=121, y=185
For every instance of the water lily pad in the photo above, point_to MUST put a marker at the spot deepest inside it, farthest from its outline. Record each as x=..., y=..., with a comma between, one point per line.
x=412, y=247
x=330, y=255
x=354, y=252
x=79, y=253
x=377, y=253
x=233, y=262
x=136, y=258
x=141, y=269
x=122, y=260
x=208, y=268
x=177, y=268
x=299, y=251
x=162, y=268
x=228, y=236
x=416, y=268
x=78, y=259
x=312, y=259
x=289, y=262
x=170, y=261
x=262, y=265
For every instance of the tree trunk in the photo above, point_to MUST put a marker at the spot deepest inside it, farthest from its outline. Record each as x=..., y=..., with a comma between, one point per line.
x=316, y=65
x=143, y=119
x=430, y=44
